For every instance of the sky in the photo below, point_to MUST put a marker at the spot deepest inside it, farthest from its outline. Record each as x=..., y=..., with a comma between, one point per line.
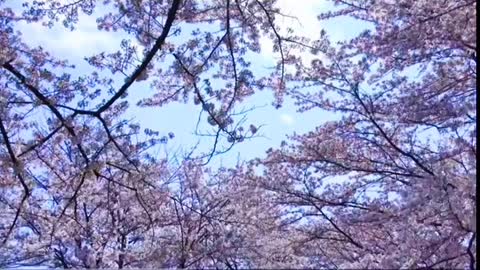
x=181, y=118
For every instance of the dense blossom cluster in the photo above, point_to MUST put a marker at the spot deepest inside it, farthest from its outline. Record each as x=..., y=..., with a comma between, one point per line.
x=405, y=144
x=389, y=183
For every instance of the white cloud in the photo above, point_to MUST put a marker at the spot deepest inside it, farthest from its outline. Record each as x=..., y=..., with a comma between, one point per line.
x=287, y=119
x=85, y=40
x=301, y=16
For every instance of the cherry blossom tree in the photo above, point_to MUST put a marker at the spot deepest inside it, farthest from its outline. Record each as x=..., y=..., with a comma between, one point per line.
x=388, y=183
x=391, y=183
x=80, y=186
x=192, y=219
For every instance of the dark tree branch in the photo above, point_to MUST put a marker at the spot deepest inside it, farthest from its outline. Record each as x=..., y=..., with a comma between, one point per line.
x=17, y=168
x=148, y=58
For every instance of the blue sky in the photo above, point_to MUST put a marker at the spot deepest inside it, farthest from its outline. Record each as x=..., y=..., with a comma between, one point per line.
x=179, y=118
